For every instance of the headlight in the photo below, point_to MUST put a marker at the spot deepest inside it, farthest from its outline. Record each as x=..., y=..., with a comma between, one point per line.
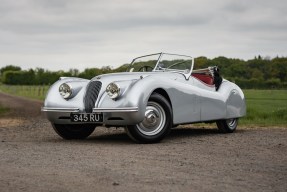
x=65, y=90
x=113, y=90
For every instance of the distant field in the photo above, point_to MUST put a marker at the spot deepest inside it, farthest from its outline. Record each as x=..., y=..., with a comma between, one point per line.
x=34, y=92
x=264, y=107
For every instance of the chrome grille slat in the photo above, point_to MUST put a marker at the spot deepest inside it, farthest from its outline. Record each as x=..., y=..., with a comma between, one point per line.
x=91, y=96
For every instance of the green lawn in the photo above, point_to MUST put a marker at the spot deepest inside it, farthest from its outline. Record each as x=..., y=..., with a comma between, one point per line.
x=265, y=108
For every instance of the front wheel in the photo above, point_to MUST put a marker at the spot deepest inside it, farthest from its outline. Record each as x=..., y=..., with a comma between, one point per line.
x=156, y=124
x=74, y=131
x=227, y=125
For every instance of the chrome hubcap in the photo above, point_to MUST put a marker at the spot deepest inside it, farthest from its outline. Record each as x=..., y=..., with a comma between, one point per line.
x=231, y=123
x=154, y=120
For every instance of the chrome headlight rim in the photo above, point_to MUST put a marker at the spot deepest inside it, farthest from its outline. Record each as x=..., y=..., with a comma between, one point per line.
x=113, y=90
x=65, y=90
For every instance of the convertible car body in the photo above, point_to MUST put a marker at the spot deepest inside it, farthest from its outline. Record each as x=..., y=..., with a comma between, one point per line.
x=158, y=92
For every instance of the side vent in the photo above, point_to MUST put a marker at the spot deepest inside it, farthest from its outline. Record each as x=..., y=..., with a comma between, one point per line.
x=91, y=96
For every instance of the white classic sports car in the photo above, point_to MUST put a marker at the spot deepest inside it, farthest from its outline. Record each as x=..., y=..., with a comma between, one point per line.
x=159, y=92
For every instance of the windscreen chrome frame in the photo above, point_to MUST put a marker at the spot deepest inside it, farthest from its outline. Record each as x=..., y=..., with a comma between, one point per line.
x=186, y=75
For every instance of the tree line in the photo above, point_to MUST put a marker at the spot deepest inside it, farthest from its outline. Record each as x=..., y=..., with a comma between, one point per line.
x=14, y=75
x=260, y=73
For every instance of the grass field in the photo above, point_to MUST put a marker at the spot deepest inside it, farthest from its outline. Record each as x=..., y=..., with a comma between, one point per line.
x=264, y=107
x=34, y=92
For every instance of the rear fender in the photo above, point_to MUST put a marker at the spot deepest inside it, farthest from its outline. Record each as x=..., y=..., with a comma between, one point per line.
x=234, y=100
x=235, y=104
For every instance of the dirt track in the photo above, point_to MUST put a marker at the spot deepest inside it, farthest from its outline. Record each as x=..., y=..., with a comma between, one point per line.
x=34, y=158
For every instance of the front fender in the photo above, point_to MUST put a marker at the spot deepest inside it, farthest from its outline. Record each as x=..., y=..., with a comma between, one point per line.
x=136, y=94
x=54, y=99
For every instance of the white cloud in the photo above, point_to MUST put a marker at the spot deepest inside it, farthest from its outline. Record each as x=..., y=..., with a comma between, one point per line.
x=63, y=34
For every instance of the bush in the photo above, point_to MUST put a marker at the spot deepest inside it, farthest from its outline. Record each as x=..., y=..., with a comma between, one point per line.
x=273, y=83
x=19, y=77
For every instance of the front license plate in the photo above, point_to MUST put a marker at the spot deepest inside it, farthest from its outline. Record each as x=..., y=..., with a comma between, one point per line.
x=87, y=117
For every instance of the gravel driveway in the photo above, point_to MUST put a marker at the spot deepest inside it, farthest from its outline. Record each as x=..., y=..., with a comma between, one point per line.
x=34, y=158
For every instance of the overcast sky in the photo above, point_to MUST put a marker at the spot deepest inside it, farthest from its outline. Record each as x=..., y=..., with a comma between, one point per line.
x=64, y=34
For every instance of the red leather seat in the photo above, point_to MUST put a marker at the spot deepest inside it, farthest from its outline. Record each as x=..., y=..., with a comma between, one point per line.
x=204, y=78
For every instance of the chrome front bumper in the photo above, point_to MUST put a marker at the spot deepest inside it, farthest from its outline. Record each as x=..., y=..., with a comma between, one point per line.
x=116, y=110
x=112, y=116
x=63, y=110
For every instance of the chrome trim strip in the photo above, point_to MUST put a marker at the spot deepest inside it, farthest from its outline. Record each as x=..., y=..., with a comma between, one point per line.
x=116, y=110
x=54, y=109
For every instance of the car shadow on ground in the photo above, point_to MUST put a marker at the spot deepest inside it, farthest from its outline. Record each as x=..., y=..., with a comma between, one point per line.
x=121, y=137
x=111, y=137
x=194, y=132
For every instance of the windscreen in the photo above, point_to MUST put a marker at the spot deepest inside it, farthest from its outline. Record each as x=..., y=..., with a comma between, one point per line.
x=144, y=63
x=162, y=62
x=172, y=62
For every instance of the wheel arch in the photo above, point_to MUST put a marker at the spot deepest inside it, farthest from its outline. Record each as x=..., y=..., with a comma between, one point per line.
x=163, y=93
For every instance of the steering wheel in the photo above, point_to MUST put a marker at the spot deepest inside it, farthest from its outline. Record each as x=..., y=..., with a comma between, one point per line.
x=145, y=68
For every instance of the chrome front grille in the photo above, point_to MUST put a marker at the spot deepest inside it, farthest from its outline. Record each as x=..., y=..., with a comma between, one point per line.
x=91, y=96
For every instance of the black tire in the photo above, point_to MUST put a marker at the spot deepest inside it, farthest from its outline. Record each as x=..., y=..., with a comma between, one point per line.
x=157, y=123
x=74, y=131
x=227, y=125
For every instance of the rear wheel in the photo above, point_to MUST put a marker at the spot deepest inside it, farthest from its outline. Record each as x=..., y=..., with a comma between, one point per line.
x=74, y=131
x=227, y=125
x=156, y=124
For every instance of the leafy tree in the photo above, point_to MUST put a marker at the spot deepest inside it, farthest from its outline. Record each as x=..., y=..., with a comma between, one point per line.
x=90, y=73
x=122, y=68
x=9, y=68
x=74, y=72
